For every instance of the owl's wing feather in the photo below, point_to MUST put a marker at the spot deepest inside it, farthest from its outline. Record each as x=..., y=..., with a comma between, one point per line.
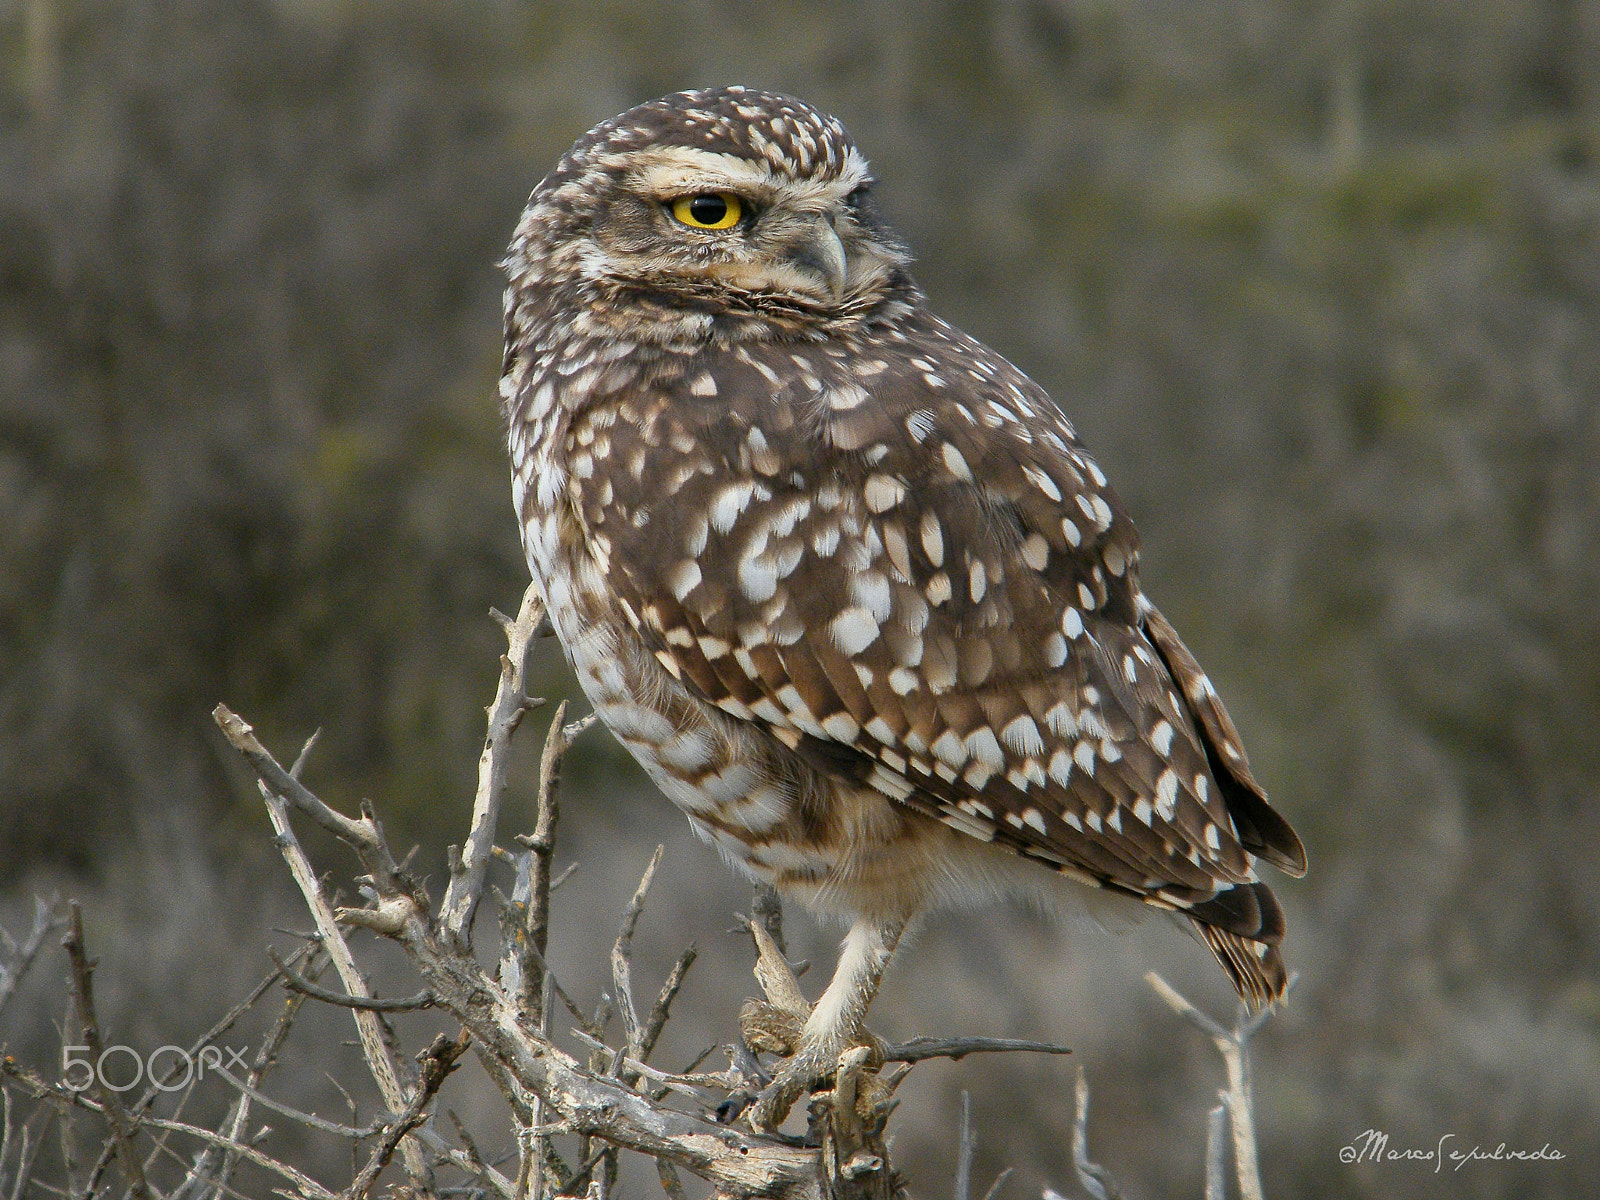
x=906, y=569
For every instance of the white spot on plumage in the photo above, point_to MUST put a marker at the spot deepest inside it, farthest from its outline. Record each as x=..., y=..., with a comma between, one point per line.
x=932, y=539
x=1083, y=755
x=1071, y=532
x=1161, y=738
x=1043, y=482
x=882, y=492
x=841, y=726
x=758, y=577
x=1061, y=766
x=948, y=748
x=846, y=397
x=983, y=747
x=730, y=501
x=703, y=385
x=1022, y=735
x=854, y=629
x=1072, y=623
x=1167, y=795
x=1034, y=818
x=871, y=590
x=977, y=580
x=955, y=463
x=683, y=577
x=1055, y=650
x=1036, y=552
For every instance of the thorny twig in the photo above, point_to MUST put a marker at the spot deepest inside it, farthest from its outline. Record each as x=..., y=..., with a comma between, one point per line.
x=511, y=703
x=621, y=959
x=123, y=1127
x=296, y=983
x=438, y=1060
x=368, y=1027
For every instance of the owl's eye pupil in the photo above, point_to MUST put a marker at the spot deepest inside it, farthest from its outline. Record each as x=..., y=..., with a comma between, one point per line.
x=708, y=210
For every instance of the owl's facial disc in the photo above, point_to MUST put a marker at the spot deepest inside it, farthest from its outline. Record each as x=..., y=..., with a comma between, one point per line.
x=690, y=216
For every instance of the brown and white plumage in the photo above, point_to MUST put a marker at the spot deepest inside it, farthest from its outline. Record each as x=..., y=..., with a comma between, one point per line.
x=842, y=578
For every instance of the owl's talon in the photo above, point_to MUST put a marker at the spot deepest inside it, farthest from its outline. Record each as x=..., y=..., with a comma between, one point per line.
x=772, y=1104
x=768, y=1029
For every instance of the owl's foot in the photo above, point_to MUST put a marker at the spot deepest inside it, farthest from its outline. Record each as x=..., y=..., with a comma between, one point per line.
x=767, y=1028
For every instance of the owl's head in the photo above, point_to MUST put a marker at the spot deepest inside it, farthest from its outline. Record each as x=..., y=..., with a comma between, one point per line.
x=725, y=200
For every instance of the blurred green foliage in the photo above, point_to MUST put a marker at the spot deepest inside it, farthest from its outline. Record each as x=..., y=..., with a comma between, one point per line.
x=1318, y=282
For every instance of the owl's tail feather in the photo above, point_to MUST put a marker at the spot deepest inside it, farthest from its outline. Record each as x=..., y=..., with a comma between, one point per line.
x=1256, y=968
x=1243, y=926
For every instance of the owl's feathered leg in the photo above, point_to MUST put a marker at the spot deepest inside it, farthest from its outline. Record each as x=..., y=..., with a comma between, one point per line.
x=836, y=1020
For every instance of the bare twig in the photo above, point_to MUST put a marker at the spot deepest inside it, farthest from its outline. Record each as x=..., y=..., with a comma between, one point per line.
x=296, y=983
x=622, y=958
x=920, y=1048
x=122, y=1126
x=41, y=1089
x=438, y=1060
x=522, y=955
x=363, y=836
x=510, y=704
x=999, y=1182
x=663, y=1005
x=368, y=1027
x=195, y=1183
x=774, y=974
x=966, y=1143
x=767, y=909
x=1234, y=1046
x=1096, y=1180
x=46, y=920
x=1216, y=1136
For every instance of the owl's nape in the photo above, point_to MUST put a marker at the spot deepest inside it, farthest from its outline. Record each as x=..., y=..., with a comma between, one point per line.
x=840, y=577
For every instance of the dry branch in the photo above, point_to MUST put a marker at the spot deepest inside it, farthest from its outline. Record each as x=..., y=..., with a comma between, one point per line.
x=122, y=1126
x=511, y=703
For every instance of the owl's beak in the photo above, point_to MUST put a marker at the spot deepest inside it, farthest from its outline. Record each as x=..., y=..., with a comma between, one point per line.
x=817, y=251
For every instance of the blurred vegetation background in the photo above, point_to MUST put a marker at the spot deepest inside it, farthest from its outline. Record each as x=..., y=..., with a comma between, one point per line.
x=1318, y=282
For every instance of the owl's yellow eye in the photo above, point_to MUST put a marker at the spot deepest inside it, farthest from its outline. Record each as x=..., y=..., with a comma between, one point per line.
x=709, y=210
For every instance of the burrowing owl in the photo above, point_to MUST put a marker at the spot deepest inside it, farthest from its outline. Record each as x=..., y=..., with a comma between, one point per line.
x=842, y=578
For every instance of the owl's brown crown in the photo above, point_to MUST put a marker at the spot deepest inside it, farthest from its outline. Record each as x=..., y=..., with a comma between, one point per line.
x=791, y=136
